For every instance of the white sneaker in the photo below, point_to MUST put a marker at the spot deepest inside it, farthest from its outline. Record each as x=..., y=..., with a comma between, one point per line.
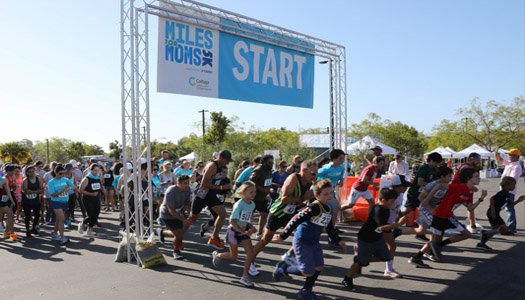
x=392, y=274
x=64, y=240
x=253, y=270
x=215, y=259
x=258, y=237
x=246, y=281
x=80, y=228
x=90, y=232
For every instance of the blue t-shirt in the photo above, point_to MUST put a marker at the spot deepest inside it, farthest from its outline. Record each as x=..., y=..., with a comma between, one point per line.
x=57, y=185
x=242, y=212
x=156, y=185
x=245, y=175
x=277, y=178
x=335, y=174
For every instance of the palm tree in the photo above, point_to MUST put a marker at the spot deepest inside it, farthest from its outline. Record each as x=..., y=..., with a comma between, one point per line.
x=14, y=152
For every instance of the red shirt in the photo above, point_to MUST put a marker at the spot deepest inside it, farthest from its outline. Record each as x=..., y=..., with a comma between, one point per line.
x=458, y=193
x=370, y=172
x=456, y=175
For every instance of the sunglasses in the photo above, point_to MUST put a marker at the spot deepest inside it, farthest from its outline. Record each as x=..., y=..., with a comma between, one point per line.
x=155, y=169
x=60, y=173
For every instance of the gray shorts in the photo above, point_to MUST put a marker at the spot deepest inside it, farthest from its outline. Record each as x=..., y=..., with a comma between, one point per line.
x=366, y=250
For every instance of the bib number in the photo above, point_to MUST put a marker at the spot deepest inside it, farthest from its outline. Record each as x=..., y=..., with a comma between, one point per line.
x=220, y=197
x=289, y=209
x=5, y=198
x=322, y=220
x=31, y=196
x=268, y=182
x=95, y=186
x=107, y=175
x=246, y=216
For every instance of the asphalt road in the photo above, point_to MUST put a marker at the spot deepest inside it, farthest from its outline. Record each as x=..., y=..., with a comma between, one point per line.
x=41, y=269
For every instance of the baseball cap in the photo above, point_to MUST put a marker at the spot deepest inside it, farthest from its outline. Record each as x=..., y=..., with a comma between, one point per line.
x=400, y=180
x=377, y=148
x=473, y=156
x=129, y=166
x=68, y=166
x=226, y=155
x=514, y=152
x=73, y=162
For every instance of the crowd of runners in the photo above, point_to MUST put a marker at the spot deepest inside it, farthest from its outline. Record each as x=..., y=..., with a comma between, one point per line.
x=300, y=200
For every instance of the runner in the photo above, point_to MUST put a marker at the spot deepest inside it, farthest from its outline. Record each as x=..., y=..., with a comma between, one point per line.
x=360, y=187
x=6, y=203
x=109, y=194
x=58, y=189
x=240, y=230
x=497, y=202
x=370, y=239
x=206, y=195
x=221, y=195
x=278, y=178
x=310, y=223
x=32, y=188
x=247, y=172
x=513, y=169
x=443, y=217
x=473, y=161
x=91, y=190
x=72, y=194
x=335, y=172
x=262, y=177
x=172, y=214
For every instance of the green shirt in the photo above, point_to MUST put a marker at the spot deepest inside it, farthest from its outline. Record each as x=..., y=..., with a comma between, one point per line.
x=425, y=172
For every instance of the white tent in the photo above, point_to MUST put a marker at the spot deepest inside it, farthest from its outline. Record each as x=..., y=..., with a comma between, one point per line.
x=484, y=153
x=190, y=157
x=445, y=153
x=368, y=142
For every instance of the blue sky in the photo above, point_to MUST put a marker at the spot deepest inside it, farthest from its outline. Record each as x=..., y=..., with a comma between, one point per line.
x=409, y=61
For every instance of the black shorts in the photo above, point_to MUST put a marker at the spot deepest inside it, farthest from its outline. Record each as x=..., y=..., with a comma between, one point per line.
x=274, y=223
x=367, y=250
x=498, y=221
x=198, y=204
x=173, y=224
x=412, y=202
x=440, y=225
x=262, y=206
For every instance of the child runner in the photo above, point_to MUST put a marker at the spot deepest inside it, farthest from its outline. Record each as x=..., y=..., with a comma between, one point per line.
x=310, y=223
x=497, y=202
x=240, y=230
x=370, y=239
x=32, y=188
x=443, y=216
x=171, y=212
x=58, y=189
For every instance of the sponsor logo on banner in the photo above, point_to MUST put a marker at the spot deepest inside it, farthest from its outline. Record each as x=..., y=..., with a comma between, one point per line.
x=202, y=62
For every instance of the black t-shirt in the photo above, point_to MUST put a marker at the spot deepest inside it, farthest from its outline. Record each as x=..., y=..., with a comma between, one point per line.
x=501, y=198
x=378, y=217
x=262, y=177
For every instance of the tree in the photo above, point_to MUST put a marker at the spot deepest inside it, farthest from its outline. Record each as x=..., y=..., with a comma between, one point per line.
x=75, y=150
x=15, y=152
x=491, y=125
x=115, y=150
x=216, y=133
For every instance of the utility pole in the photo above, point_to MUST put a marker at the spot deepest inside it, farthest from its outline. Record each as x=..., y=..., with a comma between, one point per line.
x=203, y=122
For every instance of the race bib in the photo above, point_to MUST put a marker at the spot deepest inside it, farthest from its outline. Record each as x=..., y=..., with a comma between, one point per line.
x=220, y=197
x=289, y=209
x=322, y=220
x=268, y=182
x=107, y=175
x=5, y=198
x=246, y=216
x=95, y=186
x=64, y=194
x=31, y=196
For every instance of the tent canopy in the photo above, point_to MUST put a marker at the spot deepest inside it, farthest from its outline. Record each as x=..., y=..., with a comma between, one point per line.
x=368, y=142
x=445, y=153
x=190, y=157
x=484, y=153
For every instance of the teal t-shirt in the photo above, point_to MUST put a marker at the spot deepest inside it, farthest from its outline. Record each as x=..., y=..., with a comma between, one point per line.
x=334, y=174
x=242, y=212
x=56, y=185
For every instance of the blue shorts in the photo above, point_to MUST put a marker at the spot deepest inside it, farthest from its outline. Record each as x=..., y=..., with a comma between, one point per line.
x=59, y=205
x=308, y=256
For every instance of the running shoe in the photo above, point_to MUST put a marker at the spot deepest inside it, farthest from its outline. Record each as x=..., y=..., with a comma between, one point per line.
x=422, y=238
x=215, y=259
x=80, y=228
x=436, y=250
x=12, y=237
x=253, y=270
x=64, y=240
x=258, y=237
x=160, y=221
x=279, y=272
x=35, y=231
x=392, y=274
x=306, y=294
x=215, y=243
x=67, y=223
x=483, y=246
x=55, y=236
x=430, y=257
x=177, y=255
x=349, y=284
x=418, y=262
x=246, y=281
x=160, y=235
x=473, y=229
x=203, y=229
x=90, y=232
